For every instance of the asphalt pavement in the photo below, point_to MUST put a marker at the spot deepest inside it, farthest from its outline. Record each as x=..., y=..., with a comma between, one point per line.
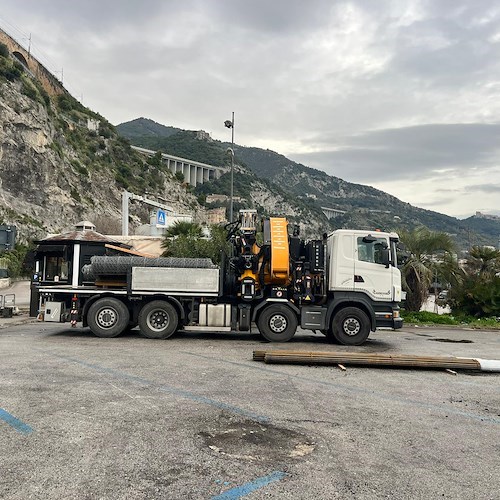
x=194, y=417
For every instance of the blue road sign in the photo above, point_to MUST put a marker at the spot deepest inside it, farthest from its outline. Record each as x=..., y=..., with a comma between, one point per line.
x=161, y=218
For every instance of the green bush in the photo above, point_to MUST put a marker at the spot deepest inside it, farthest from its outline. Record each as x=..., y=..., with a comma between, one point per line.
x=195, y=247
x=15, y=260
x=478, y=297
x=29, y=90
x=65, y=103
x=10, y=71
x=429, y=317
x=4, y=50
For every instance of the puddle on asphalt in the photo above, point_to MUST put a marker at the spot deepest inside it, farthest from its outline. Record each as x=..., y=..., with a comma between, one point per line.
x=463, y=341
x=257, y=442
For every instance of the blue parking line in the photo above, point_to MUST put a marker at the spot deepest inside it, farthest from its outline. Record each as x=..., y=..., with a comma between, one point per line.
x=14, y=422
x=245, y=489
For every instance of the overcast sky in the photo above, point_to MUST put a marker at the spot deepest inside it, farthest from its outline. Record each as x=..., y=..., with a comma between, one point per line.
x=400, y=95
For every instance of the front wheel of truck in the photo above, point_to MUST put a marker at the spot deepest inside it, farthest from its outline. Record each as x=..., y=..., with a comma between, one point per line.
x=350, y=326
x=277, y=323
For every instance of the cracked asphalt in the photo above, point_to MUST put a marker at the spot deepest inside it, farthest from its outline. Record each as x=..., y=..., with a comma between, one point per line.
x=194, y=417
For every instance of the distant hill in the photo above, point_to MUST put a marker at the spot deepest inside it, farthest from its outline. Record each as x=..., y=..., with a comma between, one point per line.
x=477, y=224
x=143, y=127
x=309, y=190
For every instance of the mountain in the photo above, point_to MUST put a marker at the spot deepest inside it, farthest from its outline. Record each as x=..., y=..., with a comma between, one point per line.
x=308, y=189
x=61, y=162
x=143, y=127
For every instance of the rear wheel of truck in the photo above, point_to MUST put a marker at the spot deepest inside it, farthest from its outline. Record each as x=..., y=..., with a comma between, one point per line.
x=108, y=317
x=277, y=323
x=158, y=320
x=350, y=326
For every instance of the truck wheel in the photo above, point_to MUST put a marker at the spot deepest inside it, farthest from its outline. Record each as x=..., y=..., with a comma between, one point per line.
x=350, y=326
x=158, y=320
x=108, y=317
x=277, y=323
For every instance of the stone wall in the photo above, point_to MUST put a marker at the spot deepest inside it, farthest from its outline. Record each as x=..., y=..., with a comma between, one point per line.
x=48, y=81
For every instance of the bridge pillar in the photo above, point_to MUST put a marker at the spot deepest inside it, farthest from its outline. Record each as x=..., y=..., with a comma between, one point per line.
x=192, y=169
x=199, y=175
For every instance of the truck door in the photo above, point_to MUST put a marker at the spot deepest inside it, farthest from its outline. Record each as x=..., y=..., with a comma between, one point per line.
x=341, y=261
x=371, y=275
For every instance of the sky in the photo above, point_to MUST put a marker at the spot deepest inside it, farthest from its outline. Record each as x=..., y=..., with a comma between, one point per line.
x=400, y=95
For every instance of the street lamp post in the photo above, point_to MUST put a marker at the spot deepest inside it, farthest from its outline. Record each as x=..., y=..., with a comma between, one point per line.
x=230, y=124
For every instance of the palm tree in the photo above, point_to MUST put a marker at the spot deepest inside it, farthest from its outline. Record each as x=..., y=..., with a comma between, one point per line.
x=423, y=246
x=483, y=261
x=184, y=228
x=479, y=293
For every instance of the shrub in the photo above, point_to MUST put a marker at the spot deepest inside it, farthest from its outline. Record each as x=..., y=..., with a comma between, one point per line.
x=478, y=297
x=190, y=245
x=429, y=317
x=29, y=90
x=4, y=50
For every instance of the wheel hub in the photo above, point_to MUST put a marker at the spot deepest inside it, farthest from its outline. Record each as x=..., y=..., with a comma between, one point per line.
x=351, y=326
x=157, y=320
x=278, y=323
x=107, y=318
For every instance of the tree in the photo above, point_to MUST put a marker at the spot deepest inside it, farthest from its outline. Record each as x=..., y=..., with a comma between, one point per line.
x=422, y=246
x=479, y=293
x=190, y=244
x=184, y=228
x=483, y=261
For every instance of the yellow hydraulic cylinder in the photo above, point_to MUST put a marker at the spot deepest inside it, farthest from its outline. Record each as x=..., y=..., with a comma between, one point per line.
x=280, y=252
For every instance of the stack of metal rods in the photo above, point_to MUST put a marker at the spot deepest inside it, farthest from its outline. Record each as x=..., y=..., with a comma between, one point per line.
x=364, y=359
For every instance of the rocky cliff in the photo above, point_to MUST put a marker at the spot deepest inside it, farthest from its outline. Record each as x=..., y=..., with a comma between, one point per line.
x=61, y=163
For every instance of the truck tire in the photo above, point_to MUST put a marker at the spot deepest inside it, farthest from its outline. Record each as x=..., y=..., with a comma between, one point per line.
x=350, y=326
x=277, y=323
x=108, y=317
x=158, y=320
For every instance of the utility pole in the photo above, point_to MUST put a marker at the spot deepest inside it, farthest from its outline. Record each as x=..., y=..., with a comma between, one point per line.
x=230, y=124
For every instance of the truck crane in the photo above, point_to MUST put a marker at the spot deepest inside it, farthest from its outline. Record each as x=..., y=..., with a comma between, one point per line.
x=345, y=285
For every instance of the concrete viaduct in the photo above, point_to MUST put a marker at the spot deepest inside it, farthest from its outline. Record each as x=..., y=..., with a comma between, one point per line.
x=332, y=213
x=194, y=172
x=48, y=81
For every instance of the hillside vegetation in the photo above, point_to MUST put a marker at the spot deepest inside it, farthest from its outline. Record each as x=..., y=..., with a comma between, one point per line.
x=306, y=188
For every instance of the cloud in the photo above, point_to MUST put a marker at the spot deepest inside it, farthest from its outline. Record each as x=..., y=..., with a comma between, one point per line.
x=400, y=95
x=408, y=152
x=484, y=188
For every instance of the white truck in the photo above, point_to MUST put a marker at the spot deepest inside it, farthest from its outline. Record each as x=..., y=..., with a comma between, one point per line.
x=344, y=285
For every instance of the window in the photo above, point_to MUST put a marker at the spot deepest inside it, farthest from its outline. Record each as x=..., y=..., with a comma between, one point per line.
x=371, y=251
x=56, y=266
